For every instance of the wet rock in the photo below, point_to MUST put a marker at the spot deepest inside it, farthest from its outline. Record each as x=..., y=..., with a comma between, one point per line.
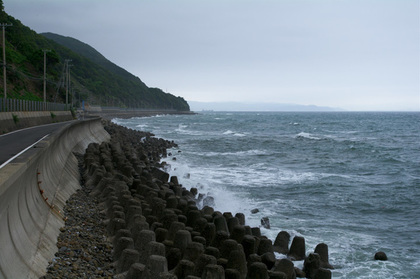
x=268, y=259
x=174, y=256
x=297, y=249
x=122, y=244
x=322, y=250
x=161, y=234
x=156, y=265
x=256, y=231
x=249, y=245
x=287, y=267
x=128, y=257
x=184, y=268
x=257, y=270
x=219, y=238
x=265, y=246
x=281, y=244
x=136, y=271
x=208, y=201
x=227, y=247
x=174, y=228
x=277, y=275
x=193, y=251
x=381, y=256
x=299, y=273
x=182, y=239
x=232, y=274
x=221, y=224
x=212, y=251
x=311, y=265
x=254, y=258
x=232, y=222
x=265, y=222
x=241, y=218
x=323, y=273
x=237, y=260
x=202, y=262
x=238, y=233
x=212, y=271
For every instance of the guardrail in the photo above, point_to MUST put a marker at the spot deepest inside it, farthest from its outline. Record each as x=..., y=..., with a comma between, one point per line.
x=8, y=105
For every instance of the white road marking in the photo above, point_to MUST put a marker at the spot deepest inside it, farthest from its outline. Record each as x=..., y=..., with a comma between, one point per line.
x=17, y=155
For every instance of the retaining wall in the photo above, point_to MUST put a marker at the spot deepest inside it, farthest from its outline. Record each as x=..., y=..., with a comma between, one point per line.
x=29, y=225
x=10, y=121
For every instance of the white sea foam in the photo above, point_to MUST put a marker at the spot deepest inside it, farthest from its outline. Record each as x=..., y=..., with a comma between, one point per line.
x=307, y=136
x=210, y=182
x=181, y=127
x=252, y=152
x=236, y=134
x=228, y=132
x=119, y=121
x=327, y=199
x=239, y=135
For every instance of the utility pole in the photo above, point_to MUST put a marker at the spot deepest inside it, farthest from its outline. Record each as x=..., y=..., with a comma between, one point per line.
x=45, y=77
x=70, y=89
x=67, y=81
x=4, y=25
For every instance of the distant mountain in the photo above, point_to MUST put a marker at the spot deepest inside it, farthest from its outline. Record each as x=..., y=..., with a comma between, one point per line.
x=238, y=106
x=90, y=53
x=93, y=77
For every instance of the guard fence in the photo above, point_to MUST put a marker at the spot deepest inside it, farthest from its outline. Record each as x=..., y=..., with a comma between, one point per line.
x=9, y=105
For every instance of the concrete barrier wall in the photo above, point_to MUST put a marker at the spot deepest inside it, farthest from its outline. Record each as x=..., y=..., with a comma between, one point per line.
x=28, y=225
x=10, y=121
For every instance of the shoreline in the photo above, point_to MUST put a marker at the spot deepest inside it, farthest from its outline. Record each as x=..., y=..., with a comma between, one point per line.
x=110, y=114
x=154, y=226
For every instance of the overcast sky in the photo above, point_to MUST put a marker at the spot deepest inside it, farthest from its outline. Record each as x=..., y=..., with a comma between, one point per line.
x=352, y=54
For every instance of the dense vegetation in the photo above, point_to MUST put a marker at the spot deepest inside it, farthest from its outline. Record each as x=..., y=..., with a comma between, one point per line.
x=93, y=78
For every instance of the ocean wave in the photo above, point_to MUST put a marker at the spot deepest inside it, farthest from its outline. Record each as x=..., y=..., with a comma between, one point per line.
x=119, y=121
x=251, y=152
x=182, y=129
x=229, y=132
x=307, y=136
x=343, y=184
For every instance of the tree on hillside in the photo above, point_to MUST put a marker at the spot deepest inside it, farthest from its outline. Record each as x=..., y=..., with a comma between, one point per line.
x=1, y=6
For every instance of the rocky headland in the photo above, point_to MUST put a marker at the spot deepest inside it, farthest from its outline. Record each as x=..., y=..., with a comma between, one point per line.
x=130, y=219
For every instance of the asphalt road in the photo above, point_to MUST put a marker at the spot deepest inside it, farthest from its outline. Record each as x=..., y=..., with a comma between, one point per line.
x=15, y=142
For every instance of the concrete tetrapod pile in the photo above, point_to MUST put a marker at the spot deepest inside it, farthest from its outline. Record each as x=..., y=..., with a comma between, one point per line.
x=157, y=230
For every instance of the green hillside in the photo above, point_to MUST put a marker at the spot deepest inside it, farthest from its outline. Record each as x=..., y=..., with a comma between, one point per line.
x=93, y=78
x=90, y=53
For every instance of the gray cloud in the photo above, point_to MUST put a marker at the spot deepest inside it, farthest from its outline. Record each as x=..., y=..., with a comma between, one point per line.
x=353, y=54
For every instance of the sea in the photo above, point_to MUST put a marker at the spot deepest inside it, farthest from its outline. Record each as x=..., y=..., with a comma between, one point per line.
x=347, y=179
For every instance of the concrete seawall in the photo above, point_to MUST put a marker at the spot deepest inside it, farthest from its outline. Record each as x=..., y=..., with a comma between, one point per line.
x=33, y=190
